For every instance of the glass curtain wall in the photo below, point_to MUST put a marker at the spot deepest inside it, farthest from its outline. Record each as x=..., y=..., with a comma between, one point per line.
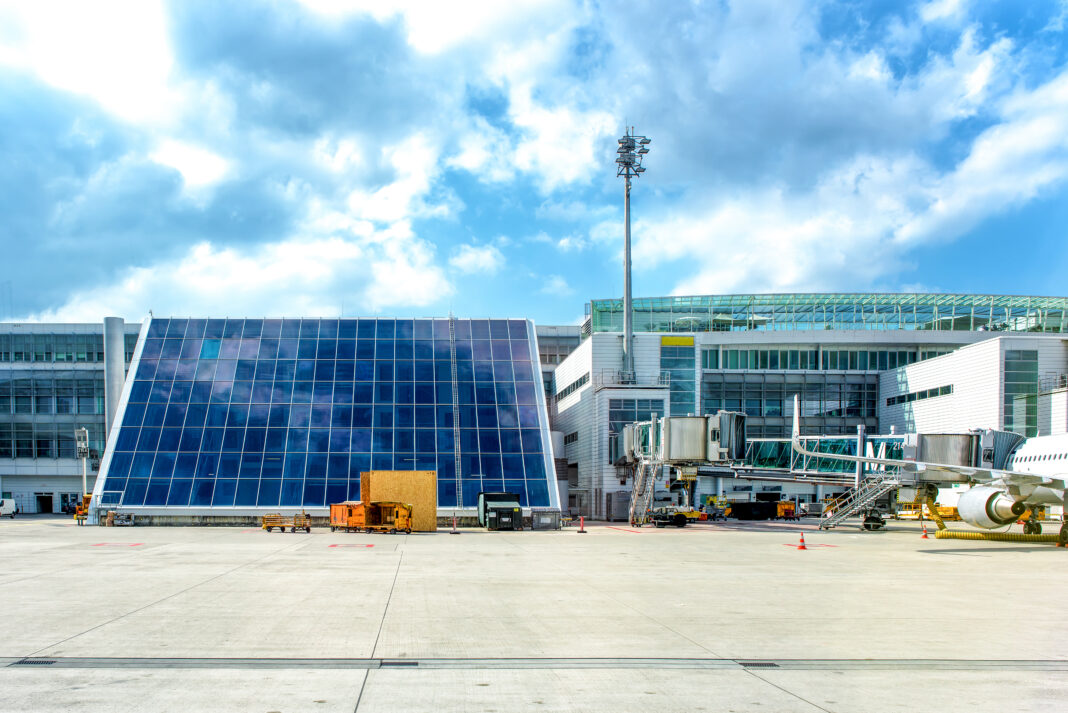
x=866, y=311
x=284, y=413
x=1020, y=404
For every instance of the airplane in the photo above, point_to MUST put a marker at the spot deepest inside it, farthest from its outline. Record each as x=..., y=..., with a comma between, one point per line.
x=1036, y=474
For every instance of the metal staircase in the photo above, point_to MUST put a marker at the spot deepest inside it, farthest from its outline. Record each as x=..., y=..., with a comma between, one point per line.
x=641, y=497
x=870, y=490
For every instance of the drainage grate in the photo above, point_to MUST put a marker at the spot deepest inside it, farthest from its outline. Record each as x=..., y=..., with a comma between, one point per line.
x=758, y=664
x=385, y=664
x=35, y=662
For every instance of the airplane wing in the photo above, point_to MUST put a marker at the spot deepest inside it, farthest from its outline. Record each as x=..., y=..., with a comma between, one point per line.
x=977, y=475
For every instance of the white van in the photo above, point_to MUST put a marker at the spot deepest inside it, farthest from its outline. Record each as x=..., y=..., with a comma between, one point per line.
x=7, y=507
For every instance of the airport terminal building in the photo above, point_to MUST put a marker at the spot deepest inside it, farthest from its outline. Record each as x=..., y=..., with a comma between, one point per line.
x=868, y=360
x=242, y=416
x=55, y=379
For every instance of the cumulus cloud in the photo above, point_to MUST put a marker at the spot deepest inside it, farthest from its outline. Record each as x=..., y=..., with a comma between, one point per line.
x=471, y=259
x=795, y=146
x=289, y=278
x=556, y=286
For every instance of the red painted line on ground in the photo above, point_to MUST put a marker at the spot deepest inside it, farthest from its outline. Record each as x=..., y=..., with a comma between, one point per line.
x=118, y=544
x=350, y=545
x=623, y=529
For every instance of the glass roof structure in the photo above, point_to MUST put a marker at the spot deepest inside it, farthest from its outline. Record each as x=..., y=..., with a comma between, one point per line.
x=860, y=311
x=227, y=415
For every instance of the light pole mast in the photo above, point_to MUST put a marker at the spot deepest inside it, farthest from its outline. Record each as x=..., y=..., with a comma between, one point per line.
x=632, y=149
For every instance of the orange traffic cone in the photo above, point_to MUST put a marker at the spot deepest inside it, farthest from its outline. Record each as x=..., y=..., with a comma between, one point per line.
x=925, y=537
x=802, y=545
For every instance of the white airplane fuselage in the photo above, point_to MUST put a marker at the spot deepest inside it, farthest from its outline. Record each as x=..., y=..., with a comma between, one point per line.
x=1046, y=456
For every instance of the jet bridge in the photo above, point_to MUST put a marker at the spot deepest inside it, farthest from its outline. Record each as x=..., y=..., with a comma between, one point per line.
x=717, y=446
x=682, y=443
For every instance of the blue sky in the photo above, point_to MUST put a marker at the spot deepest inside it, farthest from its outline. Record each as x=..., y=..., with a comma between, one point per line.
x=364, y=157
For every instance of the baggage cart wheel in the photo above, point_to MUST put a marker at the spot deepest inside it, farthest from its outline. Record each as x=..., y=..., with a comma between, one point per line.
x=407, y=531
x=268, y=529
x=393, y=531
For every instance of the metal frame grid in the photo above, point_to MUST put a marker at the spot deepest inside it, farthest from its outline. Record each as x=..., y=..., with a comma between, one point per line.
x=850, y=311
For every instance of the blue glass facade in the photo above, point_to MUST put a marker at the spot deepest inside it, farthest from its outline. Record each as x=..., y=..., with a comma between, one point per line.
x=261, y=413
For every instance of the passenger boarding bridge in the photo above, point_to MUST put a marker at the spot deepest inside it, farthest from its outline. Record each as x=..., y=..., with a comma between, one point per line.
x=716, y=446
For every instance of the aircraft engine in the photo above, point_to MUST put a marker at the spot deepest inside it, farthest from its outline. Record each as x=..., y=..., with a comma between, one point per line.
x=988, y=508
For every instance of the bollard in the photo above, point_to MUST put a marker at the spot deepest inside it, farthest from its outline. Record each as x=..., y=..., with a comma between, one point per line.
x=582, y=525
x=454, y=530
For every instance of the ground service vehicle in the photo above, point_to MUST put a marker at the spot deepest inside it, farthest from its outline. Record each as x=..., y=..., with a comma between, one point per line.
x=664, y=516
x=299, y=521
x=383, y=516
x=786, y=510
x=7, y=507
x=500, y=511
x=81, y=512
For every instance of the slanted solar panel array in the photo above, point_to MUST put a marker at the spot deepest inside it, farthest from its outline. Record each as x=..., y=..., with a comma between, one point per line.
x=254, y=413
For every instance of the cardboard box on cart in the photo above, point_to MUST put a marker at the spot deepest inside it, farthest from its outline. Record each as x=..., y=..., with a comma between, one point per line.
x=417, y=487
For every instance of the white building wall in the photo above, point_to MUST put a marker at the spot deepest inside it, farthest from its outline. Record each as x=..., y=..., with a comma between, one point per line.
x=573, y=412
x=973, y=371
x=33, y=480
x=976, y=374
x=586, y=410
x=1053, y=413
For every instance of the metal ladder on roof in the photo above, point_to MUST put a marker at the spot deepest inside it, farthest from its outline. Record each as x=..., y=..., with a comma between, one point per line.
x=455, y=408
x=871, y=489
x=641, y=497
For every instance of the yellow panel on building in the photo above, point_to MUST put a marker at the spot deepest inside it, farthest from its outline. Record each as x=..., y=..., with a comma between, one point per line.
x=419, y=488
x=676, y=341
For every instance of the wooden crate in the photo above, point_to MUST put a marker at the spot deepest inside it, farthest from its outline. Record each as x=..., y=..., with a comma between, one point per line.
x=419, y=488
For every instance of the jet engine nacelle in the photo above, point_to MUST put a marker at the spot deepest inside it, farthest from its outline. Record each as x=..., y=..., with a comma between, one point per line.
x=988, y=508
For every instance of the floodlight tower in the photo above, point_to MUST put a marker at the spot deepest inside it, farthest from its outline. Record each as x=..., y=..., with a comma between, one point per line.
x=632, y=149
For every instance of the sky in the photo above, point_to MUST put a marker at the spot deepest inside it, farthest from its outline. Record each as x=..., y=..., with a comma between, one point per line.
x=379, y=157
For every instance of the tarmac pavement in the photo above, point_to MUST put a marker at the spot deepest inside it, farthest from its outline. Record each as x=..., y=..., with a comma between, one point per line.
x=712, y=617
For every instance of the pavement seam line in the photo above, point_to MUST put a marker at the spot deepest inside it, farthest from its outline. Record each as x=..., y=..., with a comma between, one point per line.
x=385, y=609
x=789, y=693
x=162, y=599
x=366, y=675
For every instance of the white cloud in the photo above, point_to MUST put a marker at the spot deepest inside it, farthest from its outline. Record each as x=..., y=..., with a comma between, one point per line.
x=1010, y=163
x=486, y=152
x=199, y=167
x=472, y=259
x=434, y=27
x=297, y=276
x=941, y=10
x=556, y=286
x=570, y=243
x=414, y=163
x=115, y=51
x=1056, y=22
x=857, y=224
x=559, y=142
